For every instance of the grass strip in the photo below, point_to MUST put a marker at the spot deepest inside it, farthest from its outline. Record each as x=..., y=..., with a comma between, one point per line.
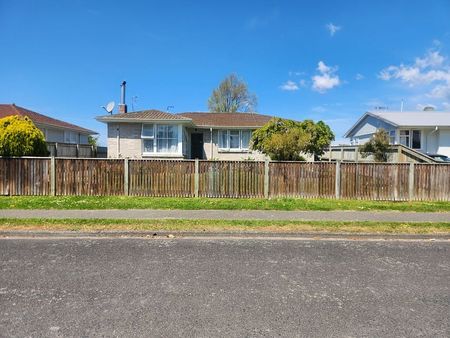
x=126, y=202
x=87, y=225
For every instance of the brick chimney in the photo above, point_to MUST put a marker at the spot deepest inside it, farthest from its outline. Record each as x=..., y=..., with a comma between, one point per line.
x=122, y=104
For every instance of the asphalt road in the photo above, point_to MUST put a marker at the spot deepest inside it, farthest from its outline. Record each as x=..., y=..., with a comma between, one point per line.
x=216, y=287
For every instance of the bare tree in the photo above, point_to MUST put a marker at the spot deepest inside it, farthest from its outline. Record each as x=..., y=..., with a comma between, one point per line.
x=232, y=96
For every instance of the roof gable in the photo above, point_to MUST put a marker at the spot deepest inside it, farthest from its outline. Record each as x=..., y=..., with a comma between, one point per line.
x=12, y=109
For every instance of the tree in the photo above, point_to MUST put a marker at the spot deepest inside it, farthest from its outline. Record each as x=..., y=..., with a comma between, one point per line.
x=321, y=137
x=92, y=140
x=232, y=96
x=283, y=139
x=20, y=137
x=378, y=146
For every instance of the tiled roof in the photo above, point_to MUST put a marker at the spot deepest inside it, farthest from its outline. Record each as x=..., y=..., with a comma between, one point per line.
x=145, y=115
x=12, y=109
x=227, y=119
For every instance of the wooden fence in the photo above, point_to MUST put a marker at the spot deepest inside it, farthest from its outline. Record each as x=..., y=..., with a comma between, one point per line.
x=233, y=179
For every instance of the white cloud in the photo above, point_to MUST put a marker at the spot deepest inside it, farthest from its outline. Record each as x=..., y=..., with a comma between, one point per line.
x=289, y=86
x=326, y=80
x=359, y=76
x=432, y=59
x=431, y=70
x=332, y=28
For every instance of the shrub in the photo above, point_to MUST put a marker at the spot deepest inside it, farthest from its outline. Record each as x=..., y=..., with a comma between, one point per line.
x=20, y=137
x=378, y=146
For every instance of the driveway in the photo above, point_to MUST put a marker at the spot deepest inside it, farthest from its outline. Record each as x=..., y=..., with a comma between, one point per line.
x=223, y=287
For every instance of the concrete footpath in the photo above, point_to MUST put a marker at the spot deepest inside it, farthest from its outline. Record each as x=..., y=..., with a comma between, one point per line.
x=377, y=216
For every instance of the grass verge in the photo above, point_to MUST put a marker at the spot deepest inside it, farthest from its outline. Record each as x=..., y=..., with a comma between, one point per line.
x=123, y=202
x=87, y=225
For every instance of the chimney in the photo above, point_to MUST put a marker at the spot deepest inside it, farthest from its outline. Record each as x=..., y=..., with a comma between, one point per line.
x=122, y=105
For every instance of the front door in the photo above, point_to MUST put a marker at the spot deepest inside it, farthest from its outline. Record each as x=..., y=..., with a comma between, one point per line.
x=197, y=146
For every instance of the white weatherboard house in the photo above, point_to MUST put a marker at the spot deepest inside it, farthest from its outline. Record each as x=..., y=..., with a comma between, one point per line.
x=427, y=131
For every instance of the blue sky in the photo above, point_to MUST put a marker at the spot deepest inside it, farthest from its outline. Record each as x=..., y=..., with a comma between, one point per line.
x=328, y=60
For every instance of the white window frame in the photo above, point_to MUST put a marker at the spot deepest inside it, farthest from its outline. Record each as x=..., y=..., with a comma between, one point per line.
x=392, y=136
x=410, y=137
x=154, y=137
x=228, y=148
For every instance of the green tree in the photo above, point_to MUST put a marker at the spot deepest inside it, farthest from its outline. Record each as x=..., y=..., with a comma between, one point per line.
x=378, y=146
x=283, y=139
x=232, y=96
x=321, y=137
x=92, y=140
x=20, y=137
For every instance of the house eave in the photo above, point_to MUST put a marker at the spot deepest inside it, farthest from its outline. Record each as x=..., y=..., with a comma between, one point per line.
x=141, y=120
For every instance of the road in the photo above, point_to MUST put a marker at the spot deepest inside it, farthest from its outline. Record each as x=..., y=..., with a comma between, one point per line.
x=223, y=287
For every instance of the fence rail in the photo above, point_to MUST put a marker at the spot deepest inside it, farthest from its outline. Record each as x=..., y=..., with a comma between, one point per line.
x=232, y=179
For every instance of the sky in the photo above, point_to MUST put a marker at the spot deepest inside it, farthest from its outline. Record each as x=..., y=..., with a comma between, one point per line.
x=320, y=60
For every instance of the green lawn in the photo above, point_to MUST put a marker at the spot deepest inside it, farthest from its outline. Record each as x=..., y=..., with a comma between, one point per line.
x=122, y=202
x=221, y=225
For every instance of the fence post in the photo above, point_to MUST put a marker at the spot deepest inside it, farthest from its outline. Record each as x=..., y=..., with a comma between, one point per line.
x=125, y=176
x=196, y=177
x=266, y=178
x=52, y=176
x=338, y=179
x=411, y=182
x=56, y=149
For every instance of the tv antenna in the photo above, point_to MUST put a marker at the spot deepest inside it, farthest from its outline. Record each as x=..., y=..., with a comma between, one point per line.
x=169, y=108
x=133, y=101
x=109, y=107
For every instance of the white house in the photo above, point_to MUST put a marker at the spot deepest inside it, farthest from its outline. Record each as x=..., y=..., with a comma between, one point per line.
x=426, y=131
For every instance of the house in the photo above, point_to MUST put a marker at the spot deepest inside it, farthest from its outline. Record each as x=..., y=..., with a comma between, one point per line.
x=427, y=131
x=158, y=134
x=55, y=131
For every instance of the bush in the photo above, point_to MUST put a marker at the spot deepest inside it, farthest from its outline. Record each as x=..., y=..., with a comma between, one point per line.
x=378, y=146
x=283, y=139
x=20, y=137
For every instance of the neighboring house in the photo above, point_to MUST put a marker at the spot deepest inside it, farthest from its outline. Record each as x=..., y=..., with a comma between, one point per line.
x=157, y=134
x=426, y=131
x=55, y=131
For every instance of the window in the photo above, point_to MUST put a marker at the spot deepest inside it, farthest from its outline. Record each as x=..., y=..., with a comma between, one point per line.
x=160, y=138
x=70, y=137
x=234, y=139
x=392, y=136
x=223, y=139
x=245, y=138
x=411, y=138
x=416, y=136
x=404, y=137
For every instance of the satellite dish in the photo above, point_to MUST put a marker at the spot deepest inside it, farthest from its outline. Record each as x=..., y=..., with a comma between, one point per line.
x=109, y=107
